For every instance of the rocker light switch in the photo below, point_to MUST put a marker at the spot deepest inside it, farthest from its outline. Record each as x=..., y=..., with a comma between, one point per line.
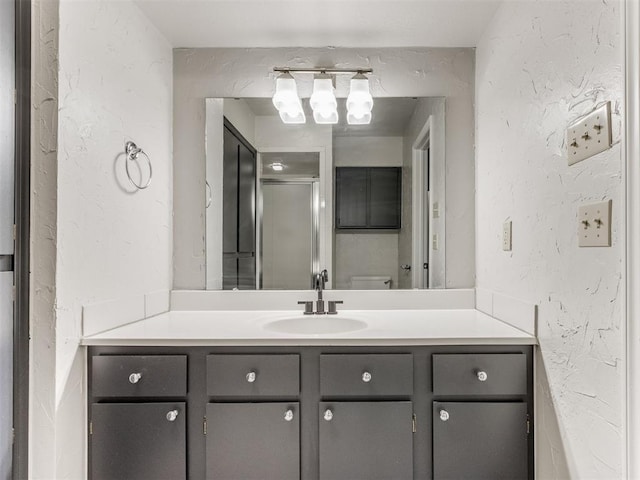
x=589, y=135
x=594, y=225
x=506, y=236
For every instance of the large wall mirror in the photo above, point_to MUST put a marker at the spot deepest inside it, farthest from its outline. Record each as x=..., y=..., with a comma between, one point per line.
x=365, y=202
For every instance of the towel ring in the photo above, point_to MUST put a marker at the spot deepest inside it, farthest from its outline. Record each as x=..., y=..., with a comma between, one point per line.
x=132, y=151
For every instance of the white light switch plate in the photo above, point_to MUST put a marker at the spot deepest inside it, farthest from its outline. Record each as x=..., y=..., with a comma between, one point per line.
x=506, y=236
x=589, y=135
x=594, y=225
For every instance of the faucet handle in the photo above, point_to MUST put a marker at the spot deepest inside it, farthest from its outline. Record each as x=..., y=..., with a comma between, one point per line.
x=308, y=306
x=332, y=306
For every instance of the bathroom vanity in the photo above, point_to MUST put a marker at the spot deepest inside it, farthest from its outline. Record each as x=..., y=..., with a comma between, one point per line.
x=275, y=405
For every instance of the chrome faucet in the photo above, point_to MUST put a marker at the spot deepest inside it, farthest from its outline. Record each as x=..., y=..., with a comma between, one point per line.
x=320, y=279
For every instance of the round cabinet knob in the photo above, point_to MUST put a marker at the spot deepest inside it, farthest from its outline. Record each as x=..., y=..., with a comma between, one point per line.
x=288, y=415
x=328, y=415
x=482, y=376
x=444, y=415
x=135, y=377
x=251, y=377
x=366, y=377
x=172, y=415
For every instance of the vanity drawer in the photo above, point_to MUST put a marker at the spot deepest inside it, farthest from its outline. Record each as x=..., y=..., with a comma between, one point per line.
x=480, y=374
x=139, y=375
x=253, y=375
x=366, y=375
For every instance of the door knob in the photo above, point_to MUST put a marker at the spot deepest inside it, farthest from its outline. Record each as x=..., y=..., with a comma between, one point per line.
x=172, y=415
x=288, y=415
x=444, y=415
x=328, y=415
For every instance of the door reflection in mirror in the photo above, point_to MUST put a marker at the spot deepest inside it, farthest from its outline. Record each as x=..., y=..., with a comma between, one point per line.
x=289, y=203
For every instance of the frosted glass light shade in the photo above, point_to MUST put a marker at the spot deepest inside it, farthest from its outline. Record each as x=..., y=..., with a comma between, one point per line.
x=359, y=101
x=323, y=97
x=286, y=95
x=286, y=100
x=359, y=96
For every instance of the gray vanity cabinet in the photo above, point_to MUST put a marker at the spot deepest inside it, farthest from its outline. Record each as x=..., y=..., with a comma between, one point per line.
x=253, y=441
x=366, y=440
x=480, y=441
x=137, y=418
x=138, y=441
x=317, y=412
x=362, y=434
x=481, y=421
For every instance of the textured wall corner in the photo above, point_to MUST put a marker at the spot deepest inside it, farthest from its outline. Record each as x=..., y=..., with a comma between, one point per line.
x=113, y=242
x=540, y=66
x=44, y=183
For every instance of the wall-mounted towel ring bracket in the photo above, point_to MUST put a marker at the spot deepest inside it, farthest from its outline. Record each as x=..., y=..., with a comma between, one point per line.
x=133, y=152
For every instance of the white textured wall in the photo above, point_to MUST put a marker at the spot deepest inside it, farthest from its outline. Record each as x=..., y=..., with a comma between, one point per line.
x=368, y=253
x=541, y=65
x=398, y=72
x=112, y=242
x=44, y=180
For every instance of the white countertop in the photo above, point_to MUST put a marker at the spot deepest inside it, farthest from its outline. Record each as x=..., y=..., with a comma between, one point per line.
x=383, y=327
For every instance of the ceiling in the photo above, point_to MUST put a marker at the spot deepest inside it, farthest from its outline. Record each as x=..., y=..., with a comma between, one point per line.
x=389, y=118
x=320, y=23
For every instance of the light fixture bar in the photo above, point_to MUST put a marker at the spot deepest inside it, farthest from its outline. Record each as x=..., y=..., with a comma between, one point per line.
x=328, y=70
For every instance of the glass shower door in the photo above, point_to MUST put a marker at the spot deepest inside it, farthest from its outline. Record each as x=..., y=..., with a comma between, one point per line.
x=289, y=234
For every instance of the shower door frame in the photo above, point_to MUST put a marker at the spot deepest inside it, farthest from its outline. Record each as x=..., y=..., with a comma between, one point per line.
x=325, y=208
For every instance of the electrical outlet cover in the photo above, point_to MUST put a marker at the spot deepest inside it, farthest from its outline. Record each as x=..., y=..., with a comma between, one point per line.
x=590, y=135
x=594, y=225
x=506, y=236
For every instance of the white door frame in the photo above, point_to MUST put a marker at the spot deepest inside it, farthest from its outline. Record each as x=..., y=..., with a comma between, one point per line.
x=632, y=162
x=419, y=199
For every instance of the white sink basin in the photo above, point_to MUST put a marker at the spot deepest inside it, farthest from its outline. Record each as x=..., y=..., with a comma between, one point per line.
x=316, y=324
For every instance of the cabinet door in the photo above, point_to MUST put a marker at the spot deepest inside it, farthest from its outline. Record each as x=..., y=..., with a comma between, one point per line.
x=253, y=441
x=384, y=197
x=366, y=440
x=230, y=193
x=479, y=441
x=351, y=197
x=138, y=441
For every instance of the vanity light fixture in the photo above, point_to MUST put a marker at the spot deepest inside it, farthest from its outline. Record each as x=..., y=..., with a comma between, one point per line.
x=323, y=99
x=286, y=100
x=277, y=166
